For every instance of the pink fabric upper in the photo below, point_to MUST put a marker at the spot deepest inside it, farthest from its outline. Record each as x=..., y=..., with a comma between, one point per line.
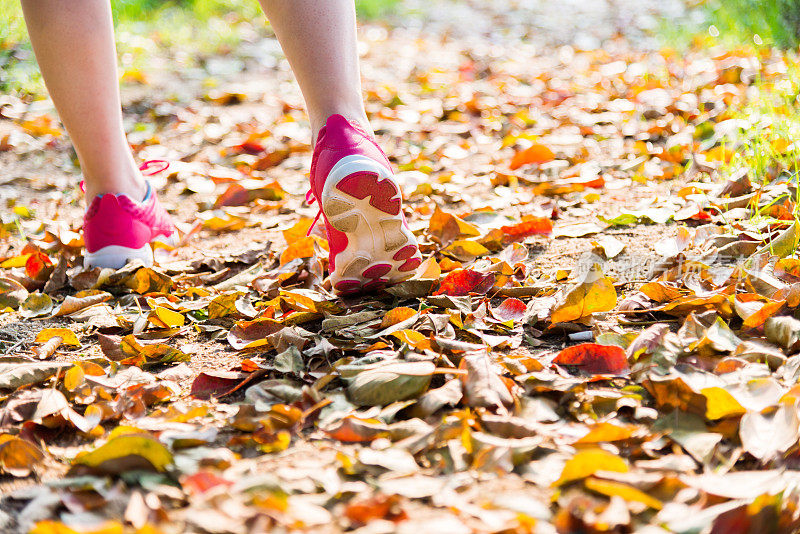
x=337, y=139
x=118, y=220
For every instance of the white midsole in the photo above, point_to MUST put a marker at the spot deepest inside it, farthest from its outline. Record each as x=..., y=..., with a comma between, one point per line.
x=116, y=256
x=368, y=242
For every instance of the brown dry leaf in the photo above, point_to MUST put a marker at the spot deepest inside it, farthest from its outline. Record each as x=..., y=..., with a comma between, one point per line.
x=253, y=334
x=766, y=436
x=18, y=457
x=81, y=300
x=482, y=385
x=446, y=227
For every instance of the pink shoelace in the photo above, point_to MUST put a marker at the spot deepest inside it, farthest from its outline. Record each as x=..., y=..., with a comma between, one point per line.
x=146, y=170
x=310, y=199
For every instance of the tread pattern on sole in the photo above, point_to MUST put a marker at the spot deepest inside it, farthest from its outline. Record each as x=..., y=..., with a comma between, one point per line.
x=383, y=193
x=380, y=249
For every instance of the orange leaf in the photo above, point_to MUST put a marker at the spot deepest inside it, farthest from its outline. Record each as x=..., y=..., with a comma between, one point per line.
x=351, y=429
x=462, y=282
x=529, y=226
x=595, y=359
x=397, y=315
x=537, y=153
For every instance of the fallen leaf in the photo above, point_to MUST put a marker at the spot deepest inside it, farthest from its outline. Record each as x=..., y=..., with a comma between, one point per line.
x=125, y=452
x=594, y=293
x=594, y=359
x=390, y=382
x=618, y=489
x=765, y=436
x=482, y=384
x=536, y=153
x=18, y=457
x=587, y=462
x=465, y=281
x=67, y=336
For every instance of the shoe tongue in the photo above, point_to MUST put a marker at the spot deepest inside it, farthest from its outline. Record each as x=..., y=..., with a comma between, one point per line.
x=338, y=131
x=337, y=122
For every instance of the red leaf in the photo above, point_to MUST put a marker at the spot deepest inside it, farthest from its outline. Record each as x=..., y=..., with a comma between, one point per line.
x=35, y=263
x=510, y=309
x=221, y=383
x=531, y=226
x=379, y=506
x=462, y=282
x=595, y=359
x=248, y=147
x=202, y=481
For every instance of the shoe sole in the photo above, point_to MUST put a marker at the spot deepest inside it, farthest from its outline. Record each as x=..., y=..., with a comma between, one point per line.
x=116, y=256
x=362, y=200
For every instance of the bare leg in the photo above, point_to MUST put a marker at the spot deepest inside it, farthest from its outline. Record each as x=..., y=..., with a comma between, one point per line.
x=74, y=45
x=319, y=40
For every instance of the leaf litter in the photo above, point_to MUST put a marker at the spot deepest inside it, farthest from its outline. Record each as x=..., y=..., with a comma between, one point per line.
x=601, y=336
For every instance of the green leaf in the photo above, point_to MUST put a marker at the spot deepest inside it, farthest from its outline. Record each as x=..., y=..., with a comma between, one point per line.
x=392, y=382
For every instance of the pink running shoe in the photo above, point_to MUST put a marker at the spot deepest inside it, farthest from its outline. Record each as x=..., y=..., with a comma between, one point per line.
x=118, y=229
x=370, y=243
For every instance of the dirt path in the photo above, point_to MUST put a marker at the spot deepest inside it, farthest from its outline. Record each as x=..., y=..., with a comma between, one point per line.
x=522, y=158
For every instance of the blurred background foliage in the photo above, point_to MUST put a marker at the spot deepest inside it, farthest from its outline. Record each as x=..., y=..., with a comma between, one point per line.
x=771, y=22
x=205, y=26
x=12, y=26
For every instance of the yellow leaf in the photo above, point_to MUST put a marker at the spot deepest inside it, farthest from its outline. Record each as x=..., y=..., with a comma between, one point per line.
x=298, y=301
x=108, y=456
x=298, y=231
x=73, y=378
x=110, y=527
x=413, y=339
x=588, y=462
x=16, y=261
x=428, y=270
x=604, y=432
x=618, y=489
x=51, y=527
x=67, y=336
x=595, y=293
x=223, y=305
x=166, y=318
x=720, y=403
x=397, y=315
x=464, y=250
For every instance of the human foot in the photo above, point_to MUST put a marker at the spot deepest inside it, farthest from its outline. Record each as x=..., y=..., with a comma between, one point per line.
x=370, y=243
x=118, y=229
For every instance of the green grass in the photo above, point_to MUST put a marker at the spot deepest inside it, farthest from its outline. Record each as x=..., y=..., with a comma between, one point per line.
x=772, y=23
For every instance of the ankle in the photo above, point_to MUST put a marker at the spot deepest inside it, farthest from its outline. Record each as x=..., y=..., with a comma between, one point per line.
x=134, y=187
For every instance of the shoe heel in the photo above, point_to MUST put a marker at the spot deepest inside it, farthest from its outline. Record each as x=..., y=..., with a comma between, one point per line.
x=115, y=257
